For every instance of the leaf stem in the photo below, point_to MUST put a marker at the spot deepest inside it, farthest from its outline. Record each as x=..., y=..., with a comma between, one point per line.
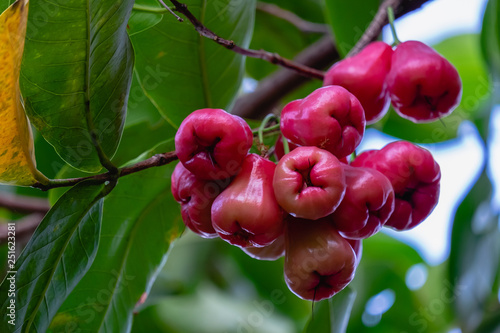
x=286, y=146
x=273, y=58
x=149, y=9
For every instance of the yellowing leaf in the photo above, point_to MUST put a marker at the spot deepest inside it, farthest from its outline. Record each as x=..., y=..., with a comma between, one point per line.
x=17, y=160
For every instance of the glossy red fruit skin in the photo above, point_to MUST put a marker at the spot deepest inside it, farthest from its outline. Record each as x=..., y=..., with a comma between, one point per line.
x=212, y=143
x=195, y=197
x=364, y=75
x=330, y=118
x=318, y=261
x=367, y=205
x=246, y=212
x=423, y=85
x=309, y=183
x=415, y=177
x=271, y=252
x=357, y=246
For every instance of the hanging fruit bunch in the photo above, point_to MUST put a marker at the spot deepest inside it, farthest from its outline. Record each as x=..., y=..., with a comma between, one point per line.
x=314, y=204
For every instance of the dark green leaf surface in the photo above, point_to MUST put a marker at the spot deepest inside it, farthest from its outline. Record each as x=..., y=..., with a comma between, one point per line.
x=181, y=71
x=76, y=81
x=349, y=20
x=490, y=37
x=56, y=258
x=464, y=53
x=332, y=315
x=140, y=222
x=141, y=20
x=475, y=253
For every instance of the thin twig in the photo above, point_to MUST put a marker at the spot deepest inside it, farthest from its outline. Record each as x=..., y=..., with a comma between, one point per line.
x=401, y=7
x=24, y=227
x=279, y=84
x=155, y=161
x=273, y=58
x=24, y=204
x=170, y=11
x=300, y=23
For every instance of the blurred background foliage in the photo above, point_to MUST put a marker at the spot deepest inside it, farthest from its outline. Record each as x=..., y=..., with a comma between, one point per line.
x=210, y=286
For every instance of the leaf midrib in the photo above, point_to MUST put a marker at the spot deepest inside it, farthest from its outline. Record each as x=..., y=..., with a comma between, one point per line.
x=133, y=233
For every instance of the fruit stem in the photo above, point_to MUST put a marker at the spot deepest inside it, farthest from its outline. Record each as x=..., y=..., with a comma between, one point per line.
x=262, y=127
x=286, y=147
x=391, y=17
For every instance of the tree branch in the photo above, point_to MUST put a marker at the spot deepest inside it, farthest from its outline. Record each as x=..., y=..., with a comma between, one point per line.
x=23, y=204
x=400, y=7
x=273, y=58
x=319, y=55
x=279, y=84
x=301, y=24
x=24, y=227
x=155, y=161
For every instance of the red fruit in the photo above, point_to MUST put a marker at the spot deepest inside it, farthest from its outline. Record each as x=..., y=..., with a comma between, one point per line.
x=279, y=150
x=196, y=197
x=423, y=85
x=357, y=246
x=273, y=251
x=309, y=183
x=246, y=212
x=330, y=118
x=367, y=205
x=318, y=261
x=364, y=75
x=212, y=143
x=415, y=177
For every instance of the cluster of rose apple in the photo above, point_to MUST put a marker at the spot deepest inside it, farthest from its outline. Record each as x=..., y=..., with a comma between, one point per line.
x=316, y=204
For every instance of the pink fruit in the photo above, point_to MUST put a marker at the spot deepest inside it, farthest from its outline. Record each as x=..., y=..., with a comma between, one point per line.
x=196, y=197
x=246, y=212
x=318, y=261
x=273, y=251
x=423, y=85
x=364, y=76
x=212, y=143
x=367, y=205
x=330, y=118
x=415, y=177
x=309, y=182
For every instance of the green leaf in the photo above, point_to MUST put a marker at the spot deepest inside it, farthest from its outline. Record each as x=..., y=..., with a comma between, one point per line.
x=349, y=20
x=490, y=37
x=58, y=255
x=75, y=82
x=146, y=14
x=275, y=35
x=475, y=253
x=181, y=71
x=332, y=315
x=140, y=222
x=464, y=53
x=17, y=159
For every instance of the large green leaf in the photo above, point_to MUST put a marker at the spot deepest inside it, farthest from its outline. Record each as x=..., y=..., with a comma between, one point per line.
x=332, y=315
x=76, y=74
x=181, y=71
x=490, y=37
x=475, y=253
x=349, y=20
x=56, y=258
x=140, y=222
x=143, y=16
x=464, y=53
